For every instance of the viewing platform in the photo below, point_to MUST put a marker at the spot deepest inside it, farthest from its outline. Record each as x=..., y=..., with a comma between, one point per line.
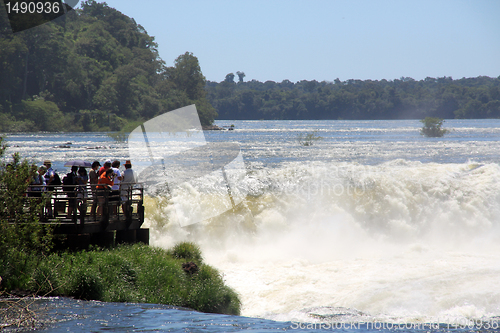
x=117, y=219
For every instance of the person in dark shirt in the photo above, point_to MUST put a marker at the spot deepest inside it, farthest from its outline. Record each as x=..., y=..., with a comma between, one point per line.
x=49, y=180
x=94, y=179
x=71, y=190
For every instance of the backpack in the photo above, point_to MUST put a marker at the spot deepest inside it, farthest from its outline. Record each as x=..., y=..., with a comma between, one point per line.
x=69, y=180
x=56, y=181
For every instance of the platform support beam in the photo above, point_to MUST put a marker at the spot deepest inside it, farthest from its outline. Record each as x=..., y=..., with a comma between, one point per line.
x=143, y=235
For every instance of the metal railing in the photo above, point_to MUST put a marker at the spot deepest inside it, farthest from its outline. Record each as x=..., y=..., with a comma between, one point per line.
x=81, y=204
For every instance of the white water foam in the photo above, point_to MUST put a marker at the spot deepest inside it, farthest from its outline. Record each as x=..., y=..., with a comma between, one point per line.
x=398, y=241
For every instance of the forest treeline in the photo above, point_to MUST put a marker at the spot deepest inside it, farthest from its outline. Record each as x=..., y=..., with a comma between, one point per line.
x=97, y=69
x=403, y=98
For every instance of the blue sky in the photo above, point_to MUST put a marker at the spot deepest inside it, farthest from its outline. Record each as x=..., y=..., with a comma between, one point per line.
x=326, y=39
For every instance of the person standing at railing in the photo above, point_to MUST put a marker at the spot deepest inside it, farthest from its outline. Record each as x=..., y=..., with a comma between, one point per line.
x=129, y=178
x=104, y=184
x=37, y=185
x=51, y=180
x=115, y=189
x=68, y=181
x=82, y=180
x=105, y=167
x=94, y=179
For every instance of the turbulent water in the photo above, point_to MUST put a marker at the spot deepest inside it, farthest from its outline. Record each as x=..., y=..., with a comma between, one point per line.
x=373, y=222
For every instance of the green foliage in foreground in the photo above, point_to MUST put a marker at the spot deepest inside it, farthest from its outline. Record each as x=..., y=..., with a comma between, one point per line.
x=432, y=127
x=19, y=224
x=131, y=273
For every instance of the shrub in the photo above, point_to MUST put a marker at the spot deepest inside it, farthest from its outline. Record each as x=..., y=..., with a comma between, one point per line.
x=188, y=251
x=209, y=294
x=16, y=266
x=87, y=285
x=432, y=127
x=308, y=139
x=128, y=273
x=45, y=280
x=19, y=219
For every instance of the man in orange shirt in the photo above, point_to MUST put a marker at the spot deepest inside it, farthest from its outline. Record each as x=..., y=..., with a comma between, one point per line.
x=104, y=184
x=105, y=167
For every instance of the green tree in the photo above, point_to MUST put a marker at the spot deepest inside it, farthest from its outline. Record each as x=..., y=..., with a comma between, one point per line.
x=186, y=75
x=229, y=78
x=241, y=75
x=12, y=65
x=19, y=220
x=186, y=84
x=403, y=98
x=42, y=115
x=432, y=127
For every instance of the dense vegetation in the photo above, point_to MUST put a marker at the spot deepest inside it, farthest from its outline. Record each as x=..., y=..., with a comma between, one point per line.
x=405, y=98
x=26, y=233
x=96, y=70
x=127, y=273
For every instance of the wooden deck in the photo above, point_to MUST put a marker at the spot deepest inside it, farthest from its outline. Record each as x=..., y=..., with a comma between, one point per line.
x=120, y=220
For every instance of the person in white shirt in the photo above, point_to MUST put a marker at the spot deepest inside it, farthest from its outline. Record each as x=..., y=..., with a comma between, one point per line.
x=115, y=189
x=37, y=185
x=129, y=178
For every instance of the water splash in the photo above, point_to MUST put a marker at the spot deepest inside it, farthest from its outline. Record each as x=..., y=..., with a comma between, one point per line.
x=397, y=241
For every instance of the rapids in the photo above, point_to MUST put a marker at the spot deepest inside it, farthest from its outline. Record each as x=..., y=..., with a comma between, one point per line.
x=373, y=222
x=402, y=241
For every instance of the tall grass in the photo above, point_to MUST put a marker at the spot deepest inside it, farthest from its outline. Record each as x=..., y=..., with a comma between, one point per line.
x=127, y=273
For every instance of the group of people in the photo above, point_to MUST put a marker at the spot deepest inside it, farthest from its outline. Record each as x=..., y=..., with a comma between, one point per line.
x=107, y=177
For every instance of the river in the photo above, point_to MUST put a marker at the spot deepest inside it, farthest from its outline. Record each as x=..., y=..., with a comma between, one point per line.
x=371, y=223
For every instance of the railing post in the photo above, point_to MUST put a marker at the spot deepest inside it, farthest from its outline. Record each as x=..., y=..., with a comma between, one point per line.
x=105, y=209
x=140, y=207
x=83, y=202
x=83, y=211
x=127, y=207
x=95, y=201
x=75, y=207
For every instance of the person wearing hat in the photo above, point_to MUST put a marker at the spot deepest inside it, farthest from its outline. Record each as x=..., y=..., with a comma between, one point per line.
x=129, y=178
x=94, y=179
x=50, y=174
